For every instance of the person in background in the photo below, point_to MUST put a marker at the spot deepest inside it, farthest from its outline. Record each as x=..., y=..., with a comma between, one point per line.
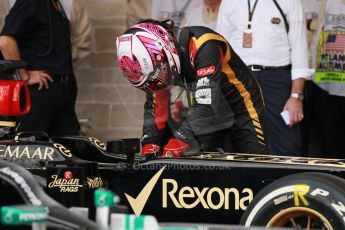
x=38, y=31
x=203, y=15
x=138, y=10
x=270, y=37
x=173, y=9
x=311, y=142
x=328, y=55
x=80, y=30
x=80, y=27
x=169, y=9
x=225, y=95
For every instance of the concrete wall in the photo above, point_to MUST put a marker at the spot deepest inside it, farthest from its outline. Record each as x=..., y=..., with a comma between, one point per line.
x=114, y=108
x=105, y=97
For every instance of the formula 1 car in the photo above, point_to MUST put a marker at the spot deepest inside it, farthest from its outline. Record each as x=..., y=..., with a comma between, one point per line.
x=18, y=186
x=224, y=188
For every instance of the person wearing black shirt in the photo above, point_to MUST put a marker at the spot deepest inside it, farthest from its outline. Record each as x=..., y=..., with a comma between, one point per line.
x=37, y=31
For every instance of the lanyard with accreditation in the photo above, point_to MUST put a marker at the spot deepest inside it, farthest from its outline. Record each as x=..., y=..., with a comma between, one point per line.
x=248, y=32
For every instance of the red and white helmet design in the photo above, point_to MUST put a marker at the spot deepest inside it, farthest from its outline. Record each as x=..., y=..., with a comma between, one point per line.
x=147, y=56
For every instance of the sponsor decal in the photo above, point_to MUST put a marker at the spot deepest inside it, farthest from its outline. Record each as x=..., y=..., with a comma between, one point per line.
x=226, y=198
x=337, y=205
x=22, y=184
x=320, y=192
x=68, y=175
x=190, y=197
x=171, y=45
x=62, y=149
x=161, y=73
x=139, y=202
x=337, y=163
x=23, y=215
x=125, y=38
x=275, y=20
x=340, y=208
x=26, y=152
x=203, y=96
x=98, y=143
x=203, y=82
x=180, y=135
x=299, y=192
x=66, y=184
x=96, y=182
x=280, y=200
x=146, y=64
x=206, y=71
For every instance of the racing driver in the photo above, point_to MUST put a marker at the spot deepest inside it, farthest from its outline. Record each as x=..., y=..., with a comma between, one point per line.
x=198, y=90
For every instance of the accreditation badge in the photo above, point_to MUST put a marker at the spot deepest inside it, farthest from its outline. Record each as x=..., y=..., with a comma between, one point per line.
x=248, y=38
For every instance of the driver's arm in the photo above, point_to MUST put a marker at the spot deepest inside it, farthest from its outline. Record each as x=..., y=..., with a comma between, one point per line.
x=155, y=121
x=211, y=111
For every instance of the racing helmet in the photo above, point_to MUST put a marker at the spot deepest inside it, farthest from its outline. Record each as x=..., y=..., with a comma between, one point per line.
x=147, y=55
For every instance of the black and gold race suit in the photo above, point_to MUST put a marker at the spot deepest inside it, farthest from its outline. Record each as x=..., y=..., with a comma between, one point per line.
x=226, y=104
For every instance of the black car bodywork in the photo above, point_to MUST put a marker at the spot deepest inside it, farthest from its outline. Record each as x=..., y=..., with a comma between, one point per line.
x=205, y=187
x=201, y=187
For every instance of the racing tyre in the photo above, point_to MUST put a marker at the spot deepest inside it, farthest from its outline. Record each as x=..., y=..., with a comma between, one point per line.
x=300, y=201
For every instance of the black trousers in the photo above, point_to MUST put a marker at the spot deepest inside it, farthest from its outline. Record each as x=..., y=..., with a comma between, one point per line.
x=276, y=89
x=310, y=126
x=53, y=109
x=333, y=125
x=323, y=129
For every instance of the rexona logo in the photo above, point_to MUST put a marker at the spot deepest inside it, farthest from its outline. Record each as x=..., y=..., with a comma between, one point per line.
x=190, y=197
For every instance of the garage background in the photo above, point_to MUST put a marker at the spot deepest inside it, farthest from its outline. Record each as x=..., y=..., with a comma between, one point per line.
x=114, y=108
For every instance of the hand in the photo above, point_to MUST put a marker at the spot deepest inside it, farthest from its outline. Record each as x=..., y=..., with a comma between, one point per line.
x=175, y=148
x=295, y=108
x=39, y=77
x=150, y=149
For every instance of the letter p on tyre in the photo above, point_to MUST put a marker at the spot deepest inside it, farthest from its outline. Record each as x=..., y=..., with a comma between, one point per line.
x=300, y=201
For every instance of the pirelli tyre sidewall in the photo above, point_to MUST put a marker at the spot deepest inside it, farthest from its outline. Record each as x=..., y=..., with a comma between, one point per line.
x=321, y=195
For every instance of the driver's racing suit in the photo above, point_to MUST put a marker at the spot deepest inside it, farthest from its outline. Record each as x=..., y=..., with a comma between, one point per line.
x=226, y=99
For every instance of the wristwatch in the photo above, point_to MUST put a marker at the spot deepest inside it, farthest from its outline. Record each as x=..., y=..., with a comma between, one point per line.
x=299, y=96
